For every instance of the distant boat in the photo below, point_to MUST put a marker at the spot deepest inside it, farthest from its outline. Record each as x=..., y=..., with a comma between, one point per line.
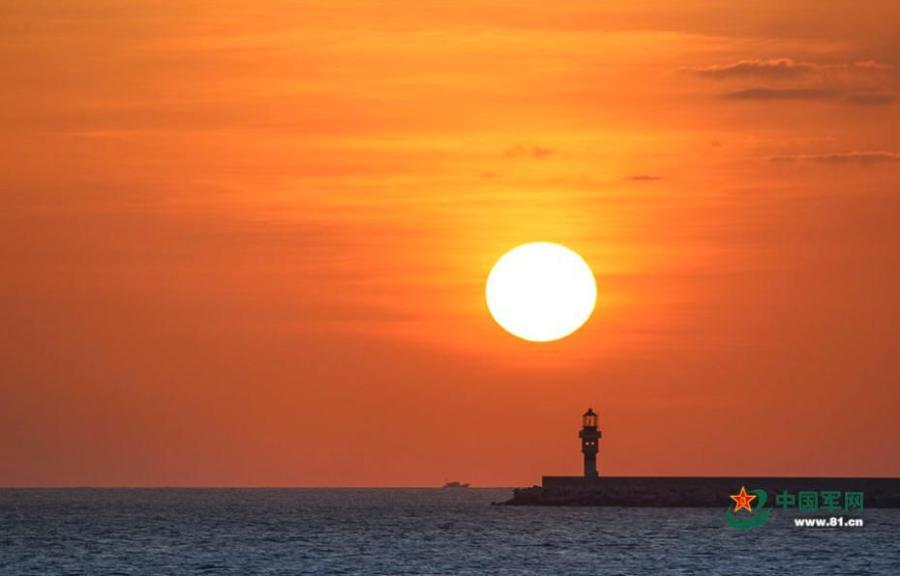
x=455, y=484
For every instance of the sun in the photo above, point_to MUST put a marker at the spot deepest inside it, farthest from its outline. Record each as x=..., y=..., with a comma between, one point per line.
x=541, y=291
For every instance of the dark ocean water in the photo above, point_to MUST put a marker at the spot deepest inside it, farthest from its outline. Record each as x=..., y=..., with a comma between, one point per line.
x=400, y=531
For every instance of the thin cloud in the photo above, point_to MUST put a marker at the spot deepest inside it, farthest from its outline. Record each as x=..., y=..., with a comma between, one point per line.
x=860, y=157
x=643, y=178
x=813, y=94
x=774, y=68
x=763, y=93
x=782, y=68
x=871, y=65
x=862, y=83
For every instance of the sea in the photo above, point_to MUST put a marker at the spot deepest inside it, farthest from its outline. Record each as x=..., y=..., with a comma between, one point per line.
x=327, y=531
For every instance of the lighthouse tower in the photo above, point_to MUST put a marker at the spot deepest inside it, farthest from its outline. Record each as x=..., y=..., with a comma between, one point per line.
x=589, y=435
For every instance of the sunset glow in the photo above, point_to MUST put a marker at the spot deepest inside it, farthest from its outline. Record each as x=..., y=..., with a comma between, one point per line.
x=246, y=243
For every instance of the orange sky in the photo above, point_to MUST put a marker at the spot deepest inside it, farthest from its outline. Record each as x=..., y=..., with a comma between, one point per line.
x=246, y=243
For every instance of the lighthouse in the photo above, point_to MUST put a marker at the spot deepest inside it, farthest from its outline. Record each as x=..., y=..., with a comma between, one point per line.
x=589, y=435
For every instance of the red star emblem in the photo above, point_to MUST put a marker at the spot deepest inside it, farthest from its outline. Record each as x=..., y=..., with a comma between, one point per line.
x=742, y=500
